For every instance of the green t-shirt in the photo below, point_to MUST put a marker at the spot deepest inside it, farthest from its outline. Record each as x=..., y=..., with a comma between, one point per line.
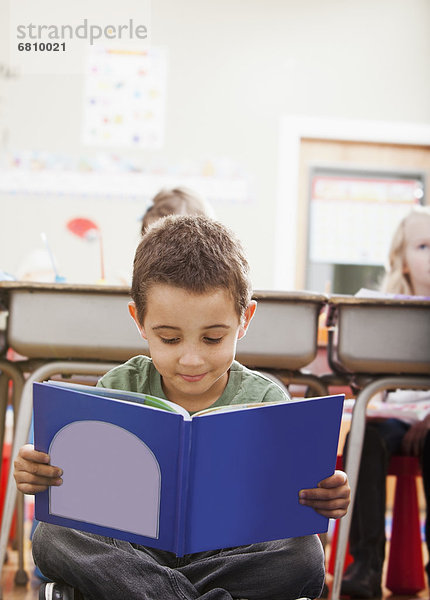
x=244, y=386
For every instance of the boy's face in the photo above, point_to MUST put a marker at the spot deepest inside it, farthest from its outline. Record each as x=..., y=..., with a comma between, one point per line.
x=192, y=340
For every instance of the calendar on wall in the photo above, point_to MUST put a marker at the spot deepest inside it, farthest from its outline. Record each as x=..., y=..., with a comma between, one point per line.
x=353, y=214
x=125, y=96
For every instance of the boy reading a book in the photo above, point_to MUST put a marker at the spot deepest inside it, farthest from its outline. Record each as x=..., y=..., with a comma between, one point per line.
x=191, y=301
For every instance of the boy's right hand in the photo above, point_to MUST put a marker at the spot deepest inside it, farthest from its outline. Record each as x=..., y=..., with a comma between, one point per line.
x=33, y=473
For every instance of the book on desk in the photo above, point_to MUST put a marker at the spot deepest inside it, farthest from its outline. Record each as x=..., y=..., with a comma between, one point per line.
x=142, y=469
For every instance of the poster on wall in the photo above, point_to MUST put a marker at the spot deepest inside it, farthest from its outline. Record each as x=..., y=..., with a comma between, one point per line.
x=352, y=216
x=124, y=97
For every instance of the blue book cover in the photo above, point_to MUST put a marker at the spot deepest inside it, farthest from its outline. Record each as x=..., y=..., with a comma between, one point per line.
x=141, y=469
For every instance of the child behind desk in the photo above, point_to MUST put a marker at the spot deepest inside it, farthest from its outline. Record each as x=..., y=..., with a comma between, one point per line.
x=174, y=201
x=191, y=302
x=409, y=274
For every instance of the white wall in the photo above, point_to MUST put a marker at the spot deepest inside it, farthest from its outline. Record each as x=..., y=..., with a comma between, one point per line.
x=235, y=68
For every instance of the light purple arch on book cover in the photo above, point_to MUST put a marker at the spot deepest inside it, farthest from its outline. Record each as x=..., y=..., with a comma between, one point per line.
x=110, y=478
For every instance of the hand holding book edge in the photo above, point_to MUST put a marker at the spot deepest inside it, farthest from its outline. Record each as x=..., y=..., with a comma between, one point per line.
x=33, y=472
x=331, y=498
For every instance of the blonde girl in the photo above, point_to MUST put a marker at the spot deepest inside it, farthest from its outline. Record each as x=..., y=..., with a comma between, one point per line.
x=408, y=272
x=408, y=269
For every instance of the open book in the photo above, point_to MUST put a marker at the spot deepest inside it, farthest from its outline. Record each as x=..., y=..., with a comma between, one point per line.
x=141, y=469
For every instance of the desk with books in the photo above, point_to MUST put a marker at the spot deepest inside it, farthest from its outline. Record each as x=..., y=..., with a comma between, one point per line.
x=82, y=330
x=375, y=344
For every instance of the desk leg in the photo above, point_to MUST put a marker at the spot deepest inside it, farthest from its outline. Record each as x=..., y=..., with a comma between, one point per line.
x=4, y=387
x=306, y=379
x=21, y=576
x=8, y=371
x=352, y=468
x=22, y=428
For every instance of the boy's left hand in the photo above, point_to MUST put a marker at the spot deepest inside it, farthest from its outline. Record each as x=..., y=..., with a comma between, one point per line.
x=331, y=498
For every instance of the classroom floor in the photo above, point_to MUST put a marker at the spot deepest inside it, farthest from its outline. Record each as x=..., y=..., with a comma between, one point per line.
x=30, y=591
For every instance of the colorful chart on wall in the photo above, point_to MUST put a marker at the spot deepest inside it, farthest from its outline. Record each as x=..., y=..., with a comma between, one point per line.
x=352, y=216
x=124, y=97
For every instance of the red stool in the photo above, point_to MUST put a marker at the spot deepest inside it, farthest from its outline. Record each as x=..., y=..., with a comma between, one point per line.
x=348, y=557
x=3, y=485
x=405, y=573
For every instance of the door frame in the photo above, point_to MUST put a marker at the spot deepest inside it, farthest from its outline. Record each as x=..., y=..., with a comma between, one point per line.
x=292, y=130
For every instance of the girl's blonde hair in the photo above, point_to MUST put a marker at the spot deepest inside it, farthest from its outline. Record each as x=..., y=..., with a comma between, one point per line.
x=396, y=281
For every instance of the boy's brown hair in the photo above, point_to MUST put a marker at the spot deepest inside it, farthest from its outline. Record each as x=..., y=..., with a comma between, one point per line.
x=194, y=253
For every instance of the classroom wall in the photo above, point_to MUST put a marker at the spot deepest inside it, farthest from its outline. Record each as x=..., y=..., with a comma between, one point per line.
x=234, y=69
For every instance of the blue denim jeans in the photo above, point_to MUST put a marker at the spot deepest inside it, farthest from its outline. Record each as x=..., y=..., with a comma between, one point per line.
x=108, y=569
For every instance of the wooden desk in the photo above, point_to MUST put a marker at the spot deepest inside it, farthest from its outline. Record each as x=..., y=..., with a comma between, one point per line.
x=59, y=321
x=375, y=336
x=374, y=345
x=82, y=329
